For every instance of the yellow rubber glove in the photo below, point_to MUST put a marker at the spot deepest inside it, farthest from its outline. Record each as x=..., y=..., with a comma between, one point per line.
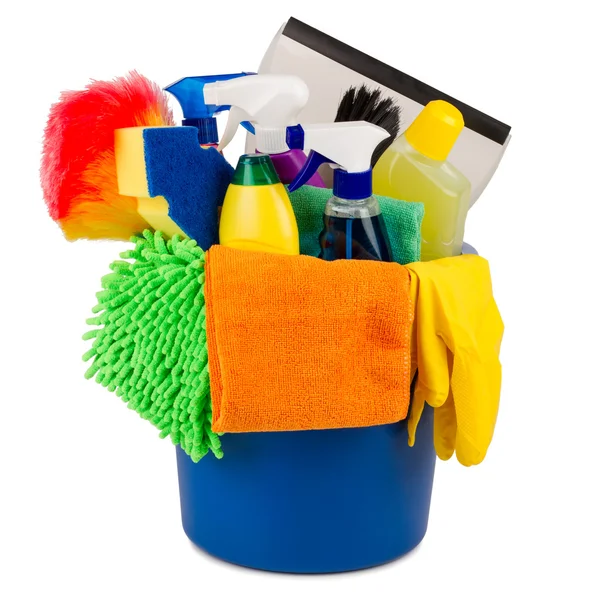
x=457, y=333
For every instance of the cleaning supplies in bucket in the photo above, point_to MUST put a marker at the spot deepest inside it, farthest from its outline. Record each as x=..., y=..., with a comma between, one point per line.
x=141, y=349
x=305, y=366
x=353, y=225
x=415, y=169
x=271, y=103
x=150, y=343
x=149, y=337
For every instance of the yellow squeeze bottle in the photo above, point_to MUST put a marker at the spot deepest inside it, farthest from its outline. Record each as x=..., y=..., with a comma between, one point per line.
x=414, y=168
x=257, y=213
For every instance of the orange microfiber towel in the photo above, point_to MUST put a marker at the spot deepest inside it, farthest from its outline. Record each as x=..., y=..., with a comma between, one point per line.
x=295, y=342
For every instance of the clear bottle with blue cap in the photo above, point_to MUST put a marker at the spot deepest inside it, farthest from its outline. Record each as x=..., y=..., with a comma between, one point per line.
x=353, y=227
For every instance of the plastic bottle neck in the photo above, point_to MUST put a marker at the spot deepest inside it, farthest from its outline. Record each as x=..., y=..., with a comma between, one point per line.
x=255, y=169
x=352, y=186
x=271, y=140
x=207, y=129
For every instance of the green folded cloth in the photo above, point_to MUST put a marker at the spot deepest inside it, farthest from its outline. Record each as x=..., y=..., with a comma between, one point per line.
x=402, y=221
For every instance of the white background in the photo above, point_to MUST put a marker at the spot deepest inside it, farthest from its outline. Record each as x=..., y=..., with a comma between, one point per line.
x=89, y=503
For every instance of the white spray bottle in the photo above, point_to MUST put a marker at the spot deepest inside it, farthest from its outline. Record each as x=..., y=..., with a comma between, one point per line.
x=271, y=103
x=353, y=224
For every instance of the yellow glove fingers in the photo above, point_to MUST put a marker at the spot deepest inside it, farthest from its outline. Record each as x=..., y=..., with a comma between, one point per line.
x=476, y=388
x=432, y=378
x=416, y=410
x=433, y=381
x=476, y=379
x=428, y=360
x=444, y=429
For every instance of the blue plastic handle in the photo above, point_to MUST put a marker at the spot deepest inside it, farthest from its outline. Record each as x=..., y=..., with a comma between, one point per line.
x=314, y=161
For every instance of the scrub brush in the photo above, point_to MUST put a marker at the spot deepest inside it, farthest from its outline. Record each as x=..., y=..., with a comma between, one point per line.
x=78, y=171
x=363, y=104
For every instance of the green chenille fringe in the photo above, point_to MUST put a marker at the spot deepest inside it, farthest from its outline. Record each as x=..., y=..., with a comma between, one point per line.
x=150, y=339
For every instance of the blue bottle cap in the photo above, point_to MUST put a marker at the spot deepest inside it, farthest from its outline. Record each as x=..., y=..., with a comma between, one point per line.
x=352, y=186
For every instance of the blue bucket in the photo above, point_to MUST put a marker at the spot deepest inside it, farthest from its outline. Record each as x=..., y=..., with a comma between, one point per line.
x=311, y=501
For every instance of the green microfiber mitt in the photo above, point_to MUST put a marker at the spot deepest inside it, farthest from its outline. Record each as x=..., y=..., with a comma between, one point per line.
x=402, y=220
x=150, y=344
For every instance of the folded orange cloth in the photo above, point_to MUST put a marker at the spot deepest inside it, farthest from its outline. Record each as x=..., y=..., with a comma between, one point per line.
x=295, y=342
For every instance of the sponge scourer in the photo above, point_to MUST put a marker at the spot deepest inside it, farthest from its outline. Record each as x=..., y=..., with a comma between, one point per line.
x=179, y=184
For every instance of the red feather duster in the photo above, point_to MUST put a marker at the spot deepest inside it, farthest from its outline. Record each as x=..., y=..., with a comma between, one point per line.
x=78, y=172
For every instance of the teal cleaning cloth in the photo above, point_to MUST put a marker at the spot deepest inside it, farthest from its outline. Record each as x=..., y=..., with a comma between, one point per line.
x=402, y=221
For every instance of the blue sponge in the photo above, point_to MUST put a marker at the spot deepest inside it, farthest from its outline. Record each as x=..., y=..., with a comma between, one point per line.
x=191, y=178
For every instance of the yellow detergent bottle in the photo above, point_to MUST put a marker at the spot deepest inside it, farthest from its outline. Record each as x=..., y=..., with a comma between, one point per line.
x=414, y=168
x=257, y=213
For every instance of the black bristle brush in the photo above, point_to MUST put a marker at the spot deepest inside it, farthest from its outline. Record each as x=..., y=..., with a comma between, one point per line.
x=364, y=104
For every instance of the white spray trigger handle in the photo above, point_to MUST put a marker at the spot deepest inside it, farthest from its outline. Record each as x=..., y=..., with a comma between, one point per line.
x=236, y=116
x=270, y=102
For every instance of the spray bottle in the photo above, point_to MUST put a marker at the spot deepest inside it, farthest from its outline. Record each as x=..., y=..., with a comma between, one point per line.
x=257, y=213
x=196, y=113
x=353, y=224
x=414, y=168
x=271, y=103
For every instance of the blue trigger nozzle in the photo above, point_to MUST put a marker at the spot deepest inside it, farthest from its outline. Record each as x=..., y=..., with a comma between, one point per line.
x=294, y=137
x=248, y=127
x=314, y=161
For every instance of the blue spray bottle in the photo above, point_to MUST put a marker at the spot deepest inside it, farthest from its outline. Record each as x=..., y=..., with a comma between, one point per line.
x=189, y=92
x=353, y=227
